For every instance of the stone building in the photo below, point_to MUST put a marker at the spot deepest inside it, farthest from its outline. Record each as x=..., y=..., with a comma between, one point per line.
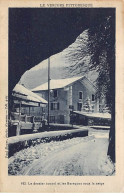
x=67, y=95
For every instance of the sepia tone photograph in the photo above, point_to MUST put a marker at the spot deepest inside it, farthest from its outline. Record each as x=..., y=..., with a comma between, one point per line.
x=61, y=91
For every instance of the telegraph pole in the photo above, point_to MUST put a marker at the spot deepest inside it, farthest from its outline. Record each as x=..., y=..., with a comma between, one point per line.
x=48, y=91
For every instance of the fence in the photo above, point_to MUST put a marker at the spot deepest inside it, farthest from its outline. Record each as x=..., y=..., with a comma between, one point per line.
x=25, y=118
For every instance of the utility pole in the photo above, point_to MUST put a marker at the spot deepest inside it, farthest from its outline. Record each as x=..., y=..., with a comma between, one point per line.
x=48, y=91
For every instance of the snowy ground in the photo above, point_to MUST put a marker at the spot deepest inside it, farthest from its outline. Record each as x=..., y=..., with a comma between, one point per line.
x=76, y=156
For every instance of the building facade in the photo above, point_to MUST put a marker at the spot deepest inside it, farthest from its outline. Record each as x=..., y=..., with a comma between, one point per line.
x=67, y=95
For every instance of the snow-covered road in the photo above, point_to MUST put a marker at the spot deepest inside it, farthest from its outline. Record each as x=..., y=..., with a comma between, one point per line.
x=83, y=158
x=77, y=156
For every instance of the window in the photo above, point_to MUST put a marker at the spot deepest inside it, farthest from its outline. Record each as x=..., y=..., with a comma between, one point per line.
x=43, y=109
x=54, y=106
x=32, y=108
x=55, y=93
x=80, y=95
x=79, y=106
x=52, y=119
x=93, y=97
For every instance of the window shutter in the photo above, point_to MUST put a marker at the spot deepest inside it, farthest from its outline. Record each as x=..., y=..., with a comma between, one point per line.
x=80, y=95
x=57, y=106
x=93, y=97
x=51, y=106
x=78, y=106
x=55, y=93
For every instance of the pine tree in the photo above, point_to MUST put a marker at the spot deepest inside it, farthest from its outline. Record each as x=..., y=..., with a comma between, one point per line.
x=98, y=47
x=87, y=107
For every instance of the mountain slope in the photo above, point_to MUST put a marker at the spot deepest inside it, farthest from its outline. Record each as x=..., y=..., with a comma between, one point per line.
x=59, y=66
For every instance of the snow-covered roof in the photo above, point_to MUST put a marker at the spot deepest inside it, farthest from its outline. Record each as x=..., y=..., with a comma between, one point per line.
x=19, y=89
x=57, y=83
x=96, y=115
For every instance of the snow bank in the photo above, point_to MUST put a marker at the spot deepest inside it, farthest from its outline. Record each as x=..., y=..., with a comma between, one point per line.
x=18, y=143
x=20, y=138
x=81, y=156
x=100, y=127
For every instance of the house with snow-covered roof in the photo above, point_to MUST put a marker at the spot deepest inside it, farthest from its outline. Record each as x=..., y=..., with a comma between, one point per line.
x=66, y=95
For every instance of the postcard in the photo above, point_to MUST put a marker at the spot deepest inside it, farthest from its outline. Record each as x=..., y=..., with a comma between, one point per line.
x=62, y=96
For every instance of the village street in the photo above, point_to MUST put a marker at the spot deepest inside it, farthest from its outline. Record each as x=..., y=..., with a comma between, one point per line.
x=76, y=156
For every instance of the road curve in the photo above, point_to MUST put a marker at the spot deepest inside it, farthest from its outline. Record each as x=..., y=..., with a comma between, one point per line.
x=84, y=158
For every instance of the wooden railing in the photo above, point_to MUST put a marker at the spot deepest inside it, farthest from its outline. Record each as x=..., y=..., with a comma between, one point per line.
x=25, y=118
